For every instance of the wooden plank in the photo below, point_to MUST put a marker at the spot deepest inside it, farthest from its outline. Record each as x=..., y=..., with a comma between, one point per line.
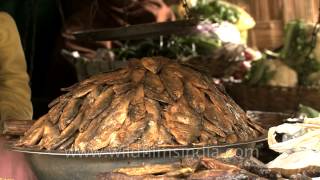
x=276, y=9
x=16, y=127
x=306, y=10
x=267, y=35
x=264, y=9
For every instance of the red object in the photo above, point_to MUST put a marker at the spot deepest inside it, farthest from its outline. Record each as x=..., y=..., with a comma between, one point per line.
x=13, y=165
x=248, y=56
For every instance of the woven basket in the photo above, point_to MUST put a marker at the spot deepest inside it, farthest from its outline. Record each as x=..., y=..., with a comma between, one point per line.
x=273, y=99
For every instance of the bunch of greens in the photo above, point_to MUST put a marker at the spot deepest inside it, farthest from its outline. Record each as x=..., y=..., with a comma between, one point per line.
x=308, y=111
x=172, y=47
x=259, y=74
x=215, y=11
x=297, y=50
x=203, y=43
x=297, y=53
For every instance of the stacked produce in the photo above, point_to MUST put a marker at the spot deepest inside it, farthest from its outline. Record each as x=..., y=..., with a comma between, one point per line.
x=296, y=64
x=151, y=103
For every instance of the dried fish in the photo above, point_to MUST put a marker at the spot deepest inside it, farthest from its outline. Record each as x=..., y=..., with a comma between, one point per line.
x=128, y=133
x=50, y=132
x=64, y=97
x=256, y=127
x=102, y=102
x=148, y=169
x=151, y=135
x=37, y=124
x=221, y=174
x=172, y=83
x=83, y=90
x=116, y=77
x=231, y=138
x=92, y=79
x=151, y=64
x=217, y=113
x=195, y=78
x=91, y=102
x=209, y=127
x=195, y=97
x=165, y=138
x=210, y=163
x=67, y=144
x=66, y=133
x=111, y=123
x=152, y=103
x=183, y=172
x=207, y=138
x=137, y=107
x=182, y=122
x=137, y=111
x=189, y=75
x=153, y=83
x=70, y=88
x=56, y=111
x=137, y=75
x=121, y=176
x=122, y=88
x=80, y=143
x=93, y=95
x=211, y=115
x=69, y=112
x=32, y=138
x=162, y=97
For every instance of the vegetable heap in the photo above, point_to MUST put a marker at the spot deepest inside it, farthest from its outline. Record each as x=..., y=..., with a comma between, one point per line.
x=216, y=11
x=203, y=43
x=297, y=63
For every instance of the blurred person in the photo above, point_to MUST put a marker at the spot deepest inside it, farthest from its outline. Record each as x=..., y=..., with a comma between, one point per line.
x=108, y=14
x=96, y=14
x=15, y=97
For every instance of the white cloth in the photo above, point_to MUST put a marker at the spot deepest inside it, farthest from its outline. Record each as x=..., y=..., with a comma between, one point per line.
x=300, y=145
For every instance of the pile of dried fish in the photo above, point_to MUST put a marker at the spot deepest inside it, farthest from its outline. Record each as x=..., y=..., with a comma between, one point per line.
x=195, y=168
x=151, y=103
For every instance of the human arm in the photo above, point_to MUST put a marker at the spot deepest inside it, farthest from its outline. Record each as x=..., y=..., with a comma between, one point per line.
x=15, y=93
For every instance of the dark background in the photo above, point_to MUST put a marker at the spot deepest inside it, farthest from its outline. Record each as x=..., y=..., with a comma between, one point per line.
x=39, y=25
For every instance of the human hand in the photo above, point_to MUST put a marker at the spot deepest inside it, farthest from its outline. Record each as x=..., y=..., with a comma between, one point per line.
x=13, y=165
x=160, y=10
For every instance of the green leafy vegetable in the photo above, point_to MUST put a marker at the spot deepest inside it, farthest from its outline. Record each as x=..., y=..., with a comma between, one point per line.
x=215, y=11
x=297, y=47
x=308, y=111
x=259, y=74
x=172, y=47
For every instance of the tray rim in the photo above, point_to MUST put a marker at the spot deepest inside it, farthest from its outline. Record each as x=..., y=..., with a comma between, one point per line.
x=11, y=147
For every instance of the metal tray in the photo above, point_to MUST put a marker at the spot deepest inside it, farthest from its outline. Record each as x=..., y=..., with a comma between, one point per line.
x=127, y=152
x=65, y=165
x=139, y=31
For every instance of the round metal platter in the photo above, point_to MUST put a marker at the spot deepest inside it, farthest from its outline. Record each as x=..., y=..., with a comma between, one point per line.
x=65, y=165
x=176, y=149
